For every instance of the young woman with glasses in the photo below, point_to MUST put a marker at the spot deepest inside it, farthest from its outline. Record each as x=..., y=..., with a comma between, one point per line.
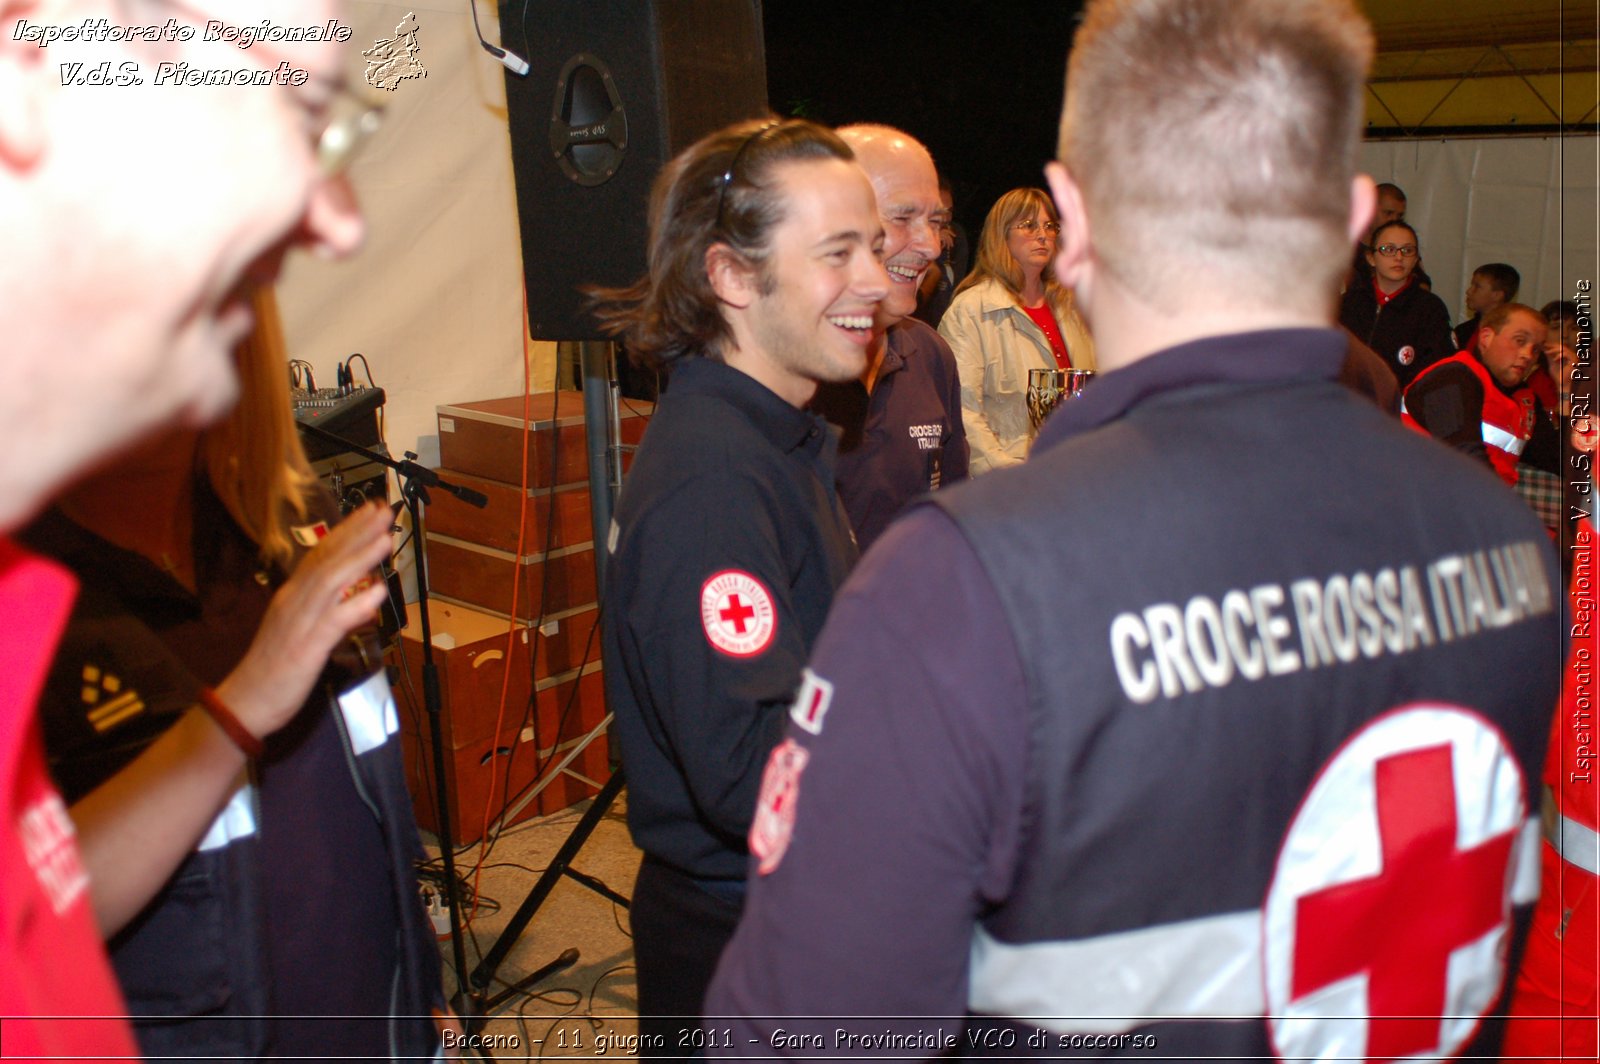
x=1393, y=314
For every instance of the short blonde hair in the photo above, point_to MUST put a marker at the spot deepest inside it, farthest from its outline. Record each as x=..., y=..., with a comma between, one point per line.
x=254, y=458
x=1188, y=120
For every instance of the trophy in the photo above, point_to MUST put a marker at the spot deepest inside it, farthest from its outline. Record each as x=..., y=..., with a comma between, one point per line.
x=1048, y=387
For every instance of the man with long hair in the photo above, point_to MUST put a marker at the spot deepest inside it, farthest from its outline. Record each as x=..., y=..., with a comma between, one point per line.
x=1225, y=743
x=729, y=539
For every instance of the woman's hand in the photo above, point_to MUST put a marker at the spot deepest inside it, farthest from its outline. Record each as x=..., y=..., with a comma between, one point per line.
x=331, y=593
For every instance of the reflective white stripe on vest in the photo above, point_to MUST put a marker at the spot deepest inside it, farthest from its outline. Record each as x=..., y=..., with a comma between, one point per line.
x=1493, y=435
x=1578, y=844
x=369, y=713
x=1525, y=871
x=1508, y=442
x=1115, y=983
x=1194, y=969
x=236, y=821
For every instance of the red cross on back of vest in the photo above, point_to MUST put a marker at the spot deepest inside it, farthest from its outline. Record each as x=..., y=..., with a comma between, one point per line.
x=1387, y=916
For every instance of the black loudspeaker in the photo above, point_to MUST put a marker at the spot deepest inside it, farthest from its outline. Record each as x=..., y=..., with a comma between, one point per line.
x=615, y=89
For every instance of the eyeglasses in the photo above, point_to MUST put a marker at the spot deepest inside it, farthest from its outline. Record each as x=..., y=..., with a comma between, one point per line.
x=351, y=121
x=1405, y=251
x=733, y=166
x=352, y=116
x=1050, y=228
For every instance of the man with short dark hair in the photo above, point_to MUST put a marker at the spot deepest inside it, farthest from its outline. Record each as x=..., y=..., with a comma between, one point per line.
x=729, y=540
x=1476, y=401
x=902, y=434
x=1492, y=284
x=133, y=214
x=1209, y=730
x=1391, y=204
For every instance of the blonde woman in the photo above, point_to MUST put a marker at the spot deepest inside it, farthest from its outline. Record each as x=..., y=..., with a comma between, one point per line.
x=1007, y=317
x=228, y=747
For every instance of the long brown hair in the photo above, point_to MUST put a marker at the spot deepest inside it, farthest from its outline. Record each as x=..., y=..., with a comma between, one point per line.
x=720, y=190
x=995, y=261
x=254, y=458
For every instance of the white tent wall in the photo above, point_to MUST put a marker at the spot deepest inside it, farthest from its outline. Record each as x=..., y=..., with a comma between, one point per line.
x=1527, y=201
x=434, y=300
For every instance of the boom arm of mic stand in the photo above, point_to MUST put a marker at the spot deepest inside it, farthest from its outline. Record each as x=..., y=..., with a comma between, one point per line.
x=409, y=470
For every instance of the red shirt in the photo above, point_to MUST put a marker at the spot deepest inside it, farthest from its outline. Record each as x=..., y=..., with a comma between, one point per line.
x=1047, y=321
x=52, y=962
x=1385, y=297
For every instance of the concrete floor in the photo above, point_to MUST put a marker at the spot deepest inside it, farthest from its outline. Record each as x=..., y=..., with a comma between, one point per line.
x=590, y=1009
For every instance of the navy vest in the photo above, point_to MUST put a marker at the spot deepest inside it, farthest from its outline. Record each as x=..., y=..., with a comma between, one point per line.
x=1230, y=602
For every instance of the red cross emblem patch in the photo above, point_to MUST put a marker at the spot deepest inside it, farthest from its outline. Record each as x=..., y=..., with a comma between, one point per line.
x=737, y=614
x=1387, y=920
x=773, y=825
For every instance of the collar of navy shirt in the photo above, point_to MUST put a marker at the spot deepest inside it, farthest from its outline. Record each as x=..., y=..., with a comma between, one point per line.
x=788, y=428
x=1238, y=358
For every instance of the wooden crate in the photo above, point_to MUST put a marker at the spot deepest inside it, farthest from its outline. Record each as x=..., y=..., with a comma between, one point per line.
x=488, y=771
x=470, y=652
x=485, y=438
x=482, y=577
x=556, y=517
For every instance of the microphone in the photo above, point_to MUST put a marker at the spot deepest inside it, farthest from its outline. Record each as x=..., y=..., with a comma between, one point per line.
x=508, y=59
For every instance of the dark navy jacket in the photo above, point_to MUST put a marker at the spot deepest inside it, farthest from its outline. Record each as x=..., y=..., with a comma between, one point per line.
x=301, y=900
x=905, y=439
x=728, y=545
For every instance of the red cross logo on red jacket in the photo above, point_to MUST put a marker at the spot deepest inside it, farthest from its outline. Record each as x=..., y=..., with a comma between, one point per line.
x=1387, y=916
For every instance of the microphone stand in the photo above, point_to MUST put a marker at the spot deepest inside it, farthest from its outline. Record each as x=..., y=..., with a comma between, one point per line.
x=415, y=480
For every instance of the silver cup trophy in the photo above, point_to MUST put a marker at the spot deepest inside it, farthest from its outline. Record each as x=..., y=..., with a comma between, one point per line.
x=1048, y=387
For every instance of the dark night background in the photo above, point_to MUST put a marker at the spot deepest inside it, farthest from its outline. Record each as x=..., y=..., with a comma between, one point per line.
x=977, y=81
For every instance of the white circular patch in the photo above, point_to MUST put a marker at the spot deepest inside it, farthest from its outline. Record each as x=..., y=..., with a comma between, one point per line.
x=1407, y=355
x=1387, y=918
x=736, y=612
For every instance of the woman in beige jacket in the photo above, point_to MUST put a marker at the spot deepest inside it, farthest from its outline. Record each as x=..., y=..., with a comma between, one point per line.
x=1007, y=317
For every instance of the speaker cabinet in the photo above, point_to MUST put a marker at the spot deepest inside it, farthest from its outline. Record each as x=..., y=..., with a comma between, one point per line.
x=614, y=90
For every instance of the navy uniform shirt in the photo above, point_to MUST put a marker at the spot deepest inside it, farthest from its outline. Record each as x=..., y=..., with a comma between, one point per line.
x=906, y=438
x=727, y=547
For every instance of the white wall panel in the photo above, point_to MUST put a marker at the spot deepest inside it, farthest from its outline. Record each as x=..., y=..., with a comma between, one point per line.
x=435, y=299
x=1528, y=201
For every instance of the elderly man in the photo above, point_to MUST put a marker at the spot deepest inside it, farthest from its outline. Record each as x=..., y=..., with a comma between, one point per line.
x=902, y=434
x=133, y=214
x=729, y=541
x=1223, y=743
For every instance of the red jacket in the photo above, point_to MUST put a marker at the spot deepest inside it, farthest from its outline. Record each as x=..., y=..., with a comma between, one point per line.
x=1554, y=1005
x=1507, y=419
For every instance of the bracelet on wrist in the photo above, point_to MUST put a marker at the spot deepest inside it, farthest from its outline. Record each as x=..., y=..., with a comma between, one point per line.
x=219, y=712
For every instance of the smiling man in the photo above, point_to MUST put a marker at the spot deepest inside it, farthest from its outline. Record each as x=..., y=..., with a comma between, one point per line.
x=132, y=214
x=1475, y=400
x=729, y=540
x=900, y=419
